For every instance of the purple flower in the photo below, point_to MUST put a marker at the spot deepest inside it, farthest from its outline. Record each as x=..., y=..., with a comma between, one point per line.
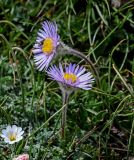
x=72, y=76
x=46, y=45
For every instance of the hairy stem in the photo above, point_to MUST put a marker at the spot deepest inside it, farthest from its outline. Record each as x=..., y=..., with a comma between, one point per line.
x=65, y=97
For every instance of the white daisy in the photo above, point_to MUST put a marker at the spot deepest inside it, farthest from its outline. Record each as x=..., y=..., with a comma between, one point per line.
x=12, y=134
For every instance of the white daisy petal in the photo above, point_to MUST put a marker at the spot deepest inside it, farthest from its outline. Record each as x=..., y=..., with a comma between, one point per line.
x=8, y=128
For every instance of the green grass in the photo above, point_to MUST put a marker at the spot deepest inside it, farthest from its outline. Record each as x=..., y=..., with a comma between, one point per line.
x=100, y=122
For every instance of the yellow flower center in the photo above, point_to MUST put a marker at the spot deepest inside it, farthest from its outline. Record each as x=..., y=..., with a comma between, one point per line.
x=12, y=137
x=48, y=46
x=70, y=76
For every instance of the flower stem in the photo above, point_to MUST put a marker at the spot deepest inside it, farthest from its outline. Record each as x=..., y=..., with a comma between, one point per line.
x=12, y=149
x=65, y=96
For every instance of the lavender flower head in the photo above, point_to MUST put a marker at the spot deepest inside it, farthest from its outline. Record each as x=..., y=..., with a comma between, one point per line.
x=46, y=45
x=72, y=76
